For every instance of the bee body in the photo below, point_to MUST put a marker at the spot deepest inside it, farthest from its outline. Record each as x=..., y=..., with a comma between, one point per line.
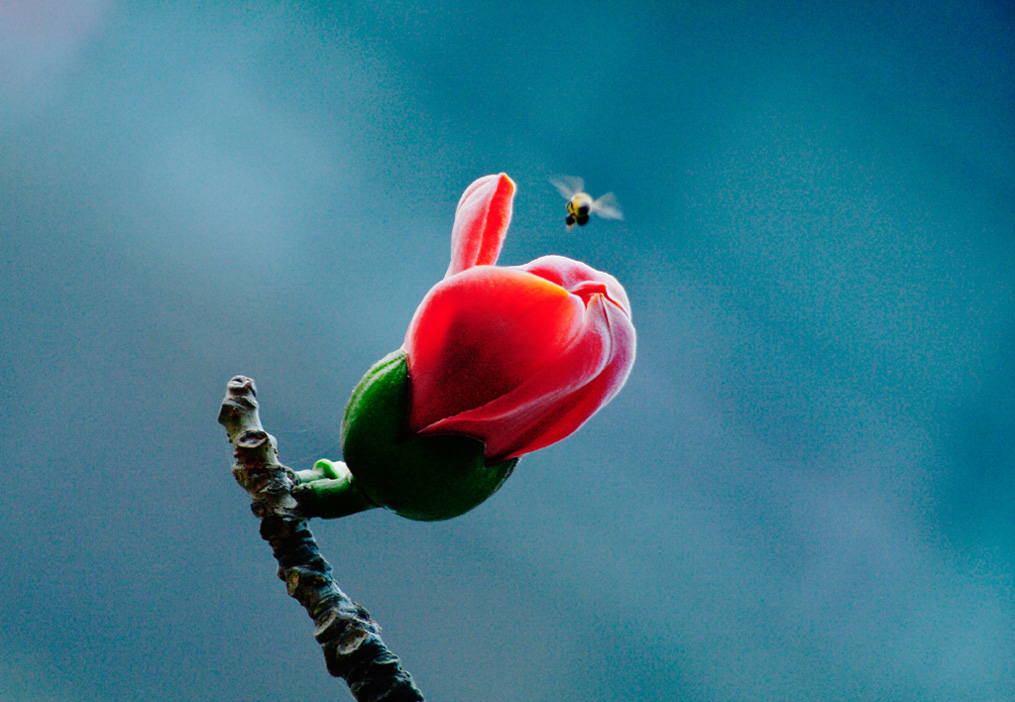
x=578, y=208
x=580, y=204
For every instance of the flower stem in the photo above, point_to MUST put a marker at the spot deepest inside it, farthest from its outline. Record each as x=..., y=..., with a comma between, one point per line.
x=328, y=491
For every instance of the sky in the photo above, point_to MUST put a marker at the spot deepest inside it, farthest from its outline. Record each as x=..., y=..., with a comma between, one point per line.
x=806, y=489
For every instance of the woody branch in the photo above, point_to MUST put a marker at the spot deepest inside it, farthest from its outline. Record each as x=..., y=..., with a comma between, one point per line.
x=349, y=637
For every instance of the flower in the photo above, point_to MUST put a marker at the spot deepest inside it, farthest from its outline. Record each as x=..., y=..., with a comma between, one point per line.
x=518, y=357
x=497, y=362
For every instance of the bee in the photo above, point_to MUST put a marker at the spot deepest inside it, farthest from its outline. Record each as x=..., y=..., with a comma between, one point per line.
x=580, y=204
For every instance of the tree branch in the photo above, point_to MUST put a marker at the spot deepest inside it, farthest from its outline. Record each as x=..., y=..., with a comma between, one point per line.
x=350, y=638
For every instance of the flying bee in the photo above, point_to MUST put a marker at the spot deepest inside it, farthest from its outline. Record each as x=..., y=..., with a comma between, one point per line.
x=580, y=204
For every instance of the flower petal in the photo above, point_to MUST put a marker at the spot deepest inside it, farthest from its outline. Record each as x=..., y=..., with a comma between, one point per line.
x=569, y=416
x=481, y=221
x=578, y=278
x=481, y=334
x=557, y=400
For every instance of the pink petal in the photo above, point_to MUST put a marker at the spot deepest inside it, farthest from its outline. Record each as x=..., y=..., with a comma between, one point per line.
x=578, y=278
x=481, y=221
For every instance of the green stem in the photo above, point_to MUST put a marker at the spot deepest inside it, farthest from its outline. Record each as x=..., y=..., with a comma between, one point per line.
x=329, y=491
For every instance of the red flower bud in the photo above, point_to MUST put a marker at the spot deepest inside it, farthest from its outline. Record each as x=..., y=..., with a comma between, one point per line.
x=497, y=362
x=518, y=357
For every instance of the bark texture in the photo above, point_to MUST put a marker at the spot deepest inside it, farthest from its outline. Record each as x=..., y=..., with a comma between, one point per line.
x=349, y=637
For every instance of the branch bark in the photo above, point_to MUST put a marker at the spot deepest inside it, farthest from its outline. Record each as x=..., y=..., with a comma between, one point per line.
x=349, y=637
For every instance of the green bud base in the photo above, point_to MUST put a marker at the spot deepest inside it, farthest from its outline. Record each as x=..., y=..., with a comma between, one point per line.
x=419, y=477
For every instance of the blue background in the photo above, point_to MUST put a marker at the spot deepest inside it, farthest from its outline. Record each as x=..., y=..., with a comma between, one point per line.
x=806, y=489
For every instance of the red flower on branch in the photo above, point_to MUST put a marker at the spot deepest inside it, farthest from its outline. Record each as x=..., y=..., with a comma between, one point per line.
x=497, y=362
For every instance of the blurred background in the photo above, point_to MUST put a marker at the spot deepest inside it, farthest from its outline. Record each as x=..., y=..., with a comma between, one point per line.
x=806, y=490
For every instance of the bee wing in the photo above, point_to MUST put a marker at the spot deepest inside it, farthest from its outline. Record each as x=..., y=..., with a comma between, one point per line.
x=568, y=185
x=607, y=207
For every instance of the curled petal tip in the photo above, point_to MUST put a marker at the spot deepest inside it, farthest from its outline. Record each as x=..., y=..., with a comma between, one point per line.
x=481, y=222
x=497, y=180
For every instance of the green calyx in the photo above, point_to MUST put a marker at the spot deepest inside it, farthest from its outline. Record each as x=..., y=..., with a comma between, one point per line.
x=420, y=477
